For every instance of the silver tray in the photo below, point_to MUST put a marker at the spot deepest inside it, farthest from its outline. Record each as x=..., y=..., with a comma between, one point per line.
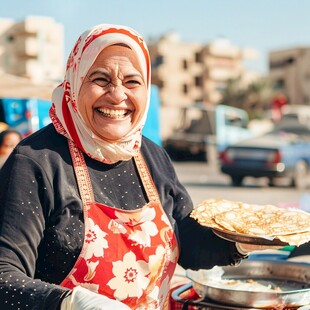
x=250, y=239
x=292, y=278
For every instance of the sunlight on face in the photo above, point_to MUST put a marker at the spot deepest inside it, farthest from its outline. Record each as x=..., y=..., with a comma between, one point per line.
x=113, y=95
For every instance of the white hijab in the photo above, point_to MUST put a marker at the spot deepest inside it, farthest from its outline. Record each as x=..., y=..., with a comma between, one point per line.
x=64, y=111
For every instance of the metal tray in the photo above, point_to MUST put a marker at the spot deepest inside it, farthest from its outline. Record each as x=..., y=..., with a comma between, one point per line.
x=242, y=238
x=293, y=280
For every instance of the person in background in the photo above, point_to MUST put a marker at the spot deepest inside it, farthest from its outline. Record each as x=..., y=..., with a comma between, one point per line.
x=92, y=214
x=9, y=138
x=3, y=125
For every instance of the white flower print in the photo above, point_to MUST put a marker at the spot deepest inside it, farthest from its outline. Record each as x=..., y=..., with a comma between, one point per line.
x=136, y=218
x=157, y=257
x=159, y=295
x=143, y=236
x=143, y=220
x=91, y=270
x=130, y=277
x=165, y=219
x=90, y=286
x=116, y=227
x=96, y=243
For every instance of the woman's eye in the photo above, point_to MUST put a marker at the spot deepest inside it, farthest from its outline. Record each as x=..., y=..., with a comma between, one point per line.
x=133, y=82
x=101, y=82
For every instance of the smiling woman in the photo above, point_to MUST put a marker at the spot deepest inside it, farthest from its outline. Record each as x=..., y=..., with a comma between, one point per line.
x=93, y=215
x=115, y=81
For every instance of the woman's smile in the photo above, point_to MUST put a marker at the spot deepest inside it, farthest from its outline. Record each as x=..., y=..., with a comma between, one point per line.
x=115, y=114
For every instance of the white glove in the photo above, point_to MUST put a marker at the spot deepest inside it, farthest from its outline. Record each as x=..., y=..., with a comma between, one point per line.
x=84, y=299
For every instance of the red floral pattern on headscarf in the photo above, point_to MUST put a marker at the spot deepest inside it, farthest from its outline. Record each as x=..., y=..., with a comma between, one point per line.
x=64, y=111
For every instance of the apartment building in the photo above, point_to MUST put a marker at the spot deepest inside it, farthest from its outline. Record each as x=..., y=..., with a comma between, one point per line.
x=32, y=48
x=176, y=69
x=289, y=74
x=193, y=72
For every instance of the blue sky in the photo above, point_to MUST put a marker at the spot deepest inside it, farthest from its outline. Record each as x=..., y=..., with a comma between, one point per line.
x=264, y=25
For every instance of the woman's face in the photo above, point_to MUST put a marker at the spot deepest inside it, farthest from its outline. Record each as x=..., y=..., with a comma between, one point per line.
x=9, y=142
x=113, y=95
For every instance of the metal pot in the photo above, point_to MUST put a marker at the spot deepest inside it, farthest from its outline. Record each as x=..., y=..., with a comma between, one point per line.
x=292, y=279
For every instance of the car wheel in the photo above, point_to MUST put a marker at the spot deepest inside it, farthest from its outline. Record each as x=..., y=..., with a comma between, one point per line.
x=300, y=175
x=271, y=182
x=236, y=180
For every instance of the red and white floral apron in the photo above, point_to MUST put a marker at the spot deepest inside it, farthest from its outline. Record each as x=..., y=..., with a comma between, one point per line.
x=129, y=256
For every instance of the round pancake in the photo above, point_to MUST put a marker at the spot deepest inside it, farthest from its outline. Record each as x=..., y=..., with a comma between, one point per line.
x=288, y=225
x=207, y=209
x=279, y=222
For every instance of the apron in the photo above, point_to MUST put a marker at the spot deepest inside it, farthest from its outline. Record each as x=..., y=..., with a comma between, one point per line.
x=129, y=256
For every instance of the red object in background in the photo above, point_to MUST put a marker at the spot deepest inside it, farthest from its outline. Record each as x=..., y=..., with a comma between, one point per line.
x=278, y=103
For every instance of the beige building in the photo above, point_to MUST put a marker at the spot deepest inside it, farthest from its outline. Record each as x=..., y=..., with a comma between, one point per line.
x=193, y=72
x=32, y=48
x=289, y=74
x=175, y=65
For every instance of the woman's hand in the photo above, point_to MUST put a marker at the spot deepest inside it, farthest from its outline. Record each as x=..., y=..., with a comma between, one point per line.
x=84, y=299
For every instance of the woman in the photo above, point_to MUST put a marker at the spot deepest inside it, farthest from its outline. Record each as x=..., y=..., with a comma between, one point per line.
x=9, y=138
x=92, y=213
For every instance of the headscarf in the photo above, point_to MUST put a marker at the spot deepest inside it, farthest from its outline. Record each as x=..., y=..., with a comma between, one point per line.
x=64, y=111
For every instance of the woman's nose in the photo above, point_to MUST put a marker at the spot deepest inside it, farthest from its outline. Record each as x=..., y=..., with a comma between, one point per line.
x=116, y=94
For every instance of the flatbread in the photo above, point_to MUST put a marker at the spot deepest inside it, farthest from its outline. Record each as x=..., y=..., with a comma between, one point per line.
x=291, y=226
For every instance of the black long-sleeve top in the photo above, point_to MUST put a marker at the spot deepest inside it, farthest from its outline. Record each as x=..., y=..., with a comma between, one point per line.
x=41, y=216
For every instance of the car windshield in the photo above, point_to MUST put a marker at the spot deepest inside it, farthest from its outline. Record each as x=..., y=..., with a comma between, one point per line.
x=291, y=127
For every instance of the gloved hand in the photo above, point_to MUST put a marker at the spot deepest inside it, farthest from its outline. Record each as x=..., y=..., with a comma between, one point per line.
x=84, y=299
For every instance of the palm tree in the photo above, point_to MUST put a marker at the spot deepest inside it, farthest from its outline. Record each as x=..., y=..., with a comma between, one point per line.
x=255, y=98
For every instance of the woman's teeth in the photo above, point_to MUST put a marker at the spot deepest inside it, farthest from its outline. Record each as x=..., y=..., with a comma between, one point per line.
x=113, y=113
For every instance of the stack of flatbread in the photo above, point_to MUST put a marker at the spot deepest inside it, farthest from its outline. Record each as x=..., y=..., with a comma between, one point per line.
x=290, y=226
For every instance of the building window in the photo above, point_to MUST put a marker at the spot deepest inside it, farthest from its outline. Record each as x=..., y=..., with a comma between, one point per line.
x=198, y=81
x=281, y=63
x=185, y=64
x=198, y=57
x=161, y=84
x=159, y=60
x=278, y=84
x=10, y=38
x=185, y=88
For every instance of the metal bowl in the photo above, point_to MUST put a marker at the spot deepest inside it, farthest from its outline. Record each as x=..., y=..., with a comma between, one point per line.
x=293, y=279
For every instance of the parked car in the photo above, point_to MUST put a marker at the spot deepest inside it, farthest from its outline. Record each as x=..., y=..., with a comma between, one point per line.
x=204, y=128
x=283, y=152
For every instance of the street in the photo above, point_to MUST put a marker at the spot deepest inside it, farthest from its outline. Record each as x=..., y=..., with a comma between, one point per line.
x=205, y=181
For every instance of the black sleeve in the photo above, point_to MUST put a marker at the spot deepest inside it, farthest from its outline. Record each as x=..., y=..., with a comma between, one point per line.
x=202, y=249
x=199, y=246
x=25, y=199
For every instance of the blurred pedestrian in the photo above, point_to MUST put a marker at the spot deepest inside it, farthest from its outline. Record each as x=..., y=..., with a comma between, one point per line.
x=9, y=138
